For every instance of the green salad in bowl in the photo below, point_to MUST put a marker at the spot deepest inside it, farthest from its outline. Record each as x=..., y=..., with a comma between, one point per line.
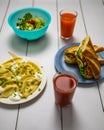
x=30, y=22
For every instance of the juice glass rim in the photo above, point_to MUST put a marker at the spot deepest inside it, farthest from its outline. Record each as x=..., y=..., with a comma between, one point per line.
x=68, y=11
x=71, y=77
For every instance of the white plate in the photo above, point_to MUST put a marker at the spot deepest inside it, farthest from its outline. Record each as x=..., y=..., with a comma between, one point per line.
x=36, y=93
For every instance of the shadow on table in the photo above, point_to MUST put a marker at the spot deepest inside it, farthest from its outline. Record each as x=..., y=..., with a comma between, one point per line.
x=22, y=46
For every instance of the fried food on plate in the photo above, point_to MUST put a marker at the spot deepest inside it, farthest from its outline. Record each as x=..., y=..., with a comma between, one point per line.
x=69, y=53
x=87, y=59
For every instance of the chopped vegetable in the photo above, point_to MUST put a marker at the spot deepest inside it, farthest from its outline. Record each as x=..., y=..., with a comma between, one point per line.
x=28, y=22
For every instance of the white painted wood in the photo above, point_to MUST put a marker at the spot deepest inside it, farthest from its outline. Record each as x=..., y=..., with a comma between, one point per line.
x=95, y=27
x=42, y=113
x=101, y=92
x=93, y=12
x=4, y=4
x=10, y=42
x=5, y=110
x=86, y=112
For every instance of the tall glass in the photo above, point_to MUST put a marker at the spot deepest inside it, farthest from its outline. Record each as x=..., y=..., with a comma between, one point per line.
x=64, y=88
x=67, y=23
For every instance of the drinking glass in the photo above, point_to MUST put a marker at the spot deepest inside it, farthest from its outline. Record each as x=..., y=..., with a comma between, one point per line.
x=67, y=23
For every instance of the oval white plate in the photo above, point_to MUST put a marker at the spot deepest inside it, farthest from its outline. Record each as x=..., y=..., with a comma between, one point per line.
x=36, y=93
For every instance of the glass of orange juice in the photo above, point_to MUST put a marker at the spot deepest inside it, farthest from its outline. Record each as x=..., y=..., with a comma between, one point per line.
x=64, y=88
x=67, y=23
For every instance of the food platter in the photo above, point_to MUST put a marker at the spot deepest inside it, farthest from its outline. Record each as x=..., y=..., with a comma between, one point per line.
x=39, y=90
x=61, y=66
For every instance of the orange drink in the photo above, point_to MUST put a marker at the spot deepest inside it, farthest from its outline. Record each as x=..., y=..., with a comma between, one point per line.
x=67, y=23
x=64, y=88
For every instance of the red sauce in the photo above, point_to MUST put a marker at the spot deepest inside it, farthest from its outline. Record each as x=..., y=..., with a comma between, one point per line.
x=64, y=86
x=67, y=24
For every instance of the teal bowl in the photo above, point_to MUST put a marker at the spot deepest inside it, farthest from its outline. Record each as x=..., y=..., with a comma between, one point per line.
x=26, y=34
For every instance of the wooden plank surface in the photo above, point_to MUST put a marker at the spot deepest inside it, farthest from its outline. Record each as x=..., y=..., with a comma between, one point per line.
x=10, y=42
x=43, y=113
x=87, y=109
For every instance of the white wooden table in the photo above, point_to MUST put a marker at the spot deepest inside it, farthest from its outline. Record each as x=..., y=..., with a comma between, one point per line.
x=87, y=110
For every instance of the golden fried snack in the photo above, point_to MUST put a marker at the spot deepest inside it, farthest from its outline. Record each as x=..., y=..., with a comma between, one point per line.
x=87, y=59
x=69, y=54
